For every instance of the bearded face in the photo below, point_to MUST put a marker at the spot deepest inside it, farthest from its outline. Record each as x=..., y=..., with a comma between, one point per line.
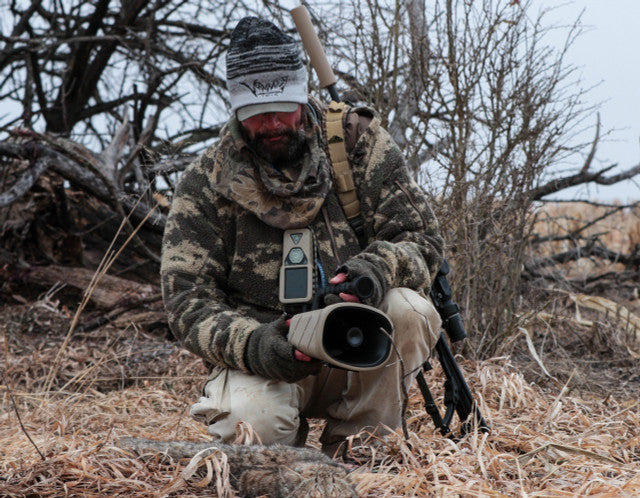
x=278, y=137
x=277, y=148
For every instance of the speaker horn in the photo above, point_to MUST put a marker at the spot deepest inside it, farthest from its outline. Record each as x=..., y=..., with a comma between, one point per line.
x=347, y=335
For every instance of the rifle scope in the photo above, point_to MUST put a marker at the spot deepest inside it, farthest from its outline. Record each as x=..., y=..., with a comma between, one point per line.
x=449, y=311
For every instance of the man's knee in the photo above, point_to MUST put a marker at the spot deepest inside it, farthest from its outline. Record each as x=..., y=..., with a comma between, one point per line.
x=413, y=315
x=270, y=407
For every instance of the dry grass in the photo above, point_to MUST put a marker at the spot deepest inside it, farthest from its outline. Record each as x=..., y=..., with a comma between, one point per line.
x=118, y=382
x=563, y=407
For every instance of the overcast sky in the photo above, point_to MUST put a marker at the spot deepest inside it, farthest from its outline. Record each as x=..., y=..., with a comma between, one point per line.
x=608, y=53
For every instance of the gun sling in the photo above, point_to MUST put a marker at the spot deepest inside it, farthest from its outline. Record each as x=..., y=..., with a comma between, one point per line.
x=342, y=174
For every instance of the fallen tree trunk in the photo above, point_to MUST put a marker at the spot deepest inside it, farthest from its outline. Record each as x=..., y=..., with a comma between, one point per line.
x=110, y=292
x=276, y=471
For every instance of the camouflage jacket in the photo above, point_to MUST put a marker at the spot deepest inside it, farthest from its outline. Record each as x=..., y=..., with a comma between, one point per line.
x=222, y=247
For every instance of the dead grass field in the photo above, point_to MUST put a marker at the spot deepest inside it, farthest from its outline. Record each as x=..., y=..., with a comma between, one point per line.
x=563, y=406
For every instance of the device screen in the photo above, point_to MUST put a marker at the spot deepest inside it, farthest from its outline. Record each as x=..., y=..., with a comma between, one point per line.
x=295, y=283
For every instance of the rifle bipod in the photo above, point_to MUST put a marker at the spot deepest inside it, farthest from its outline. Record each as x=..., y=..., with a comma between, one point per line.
x=457, y=396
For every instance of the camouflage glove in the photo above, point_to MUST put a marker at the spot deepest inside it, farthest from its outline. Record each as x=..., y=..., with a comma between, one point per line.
x=269, y=355
x=329, y=299
x=355, y=268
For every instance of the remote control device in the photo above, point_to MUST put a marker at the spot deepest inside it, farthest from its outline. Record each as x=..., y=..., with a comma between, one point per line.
x=296, y=272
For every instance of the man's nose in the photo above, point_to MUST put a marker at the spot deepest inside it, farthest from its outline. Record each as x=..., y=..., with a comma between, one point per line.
x=270, y=120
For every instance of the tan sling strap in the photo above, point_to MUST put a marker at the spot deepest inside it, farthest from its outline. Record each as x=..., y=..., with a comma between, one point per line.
x=342, y=175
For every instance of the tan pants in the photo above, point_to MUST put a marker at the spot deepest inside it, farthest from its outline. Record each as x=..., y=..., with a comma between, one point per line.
x=349, y=401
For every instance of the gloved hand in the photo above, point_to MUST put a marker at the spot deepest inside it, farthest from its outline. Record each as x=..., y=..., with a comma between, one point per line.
x=342, y=297
x=357, y=267
x=329, y=299
x=269, y=355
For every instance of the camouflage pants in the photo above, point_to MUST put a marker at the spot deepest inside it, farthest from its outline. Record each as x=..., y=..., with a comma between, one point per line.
x=348, y=401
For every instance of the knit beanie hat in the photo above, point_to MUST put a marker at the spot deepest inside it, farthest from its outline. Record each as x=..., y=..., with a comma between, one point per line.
x=264, y=70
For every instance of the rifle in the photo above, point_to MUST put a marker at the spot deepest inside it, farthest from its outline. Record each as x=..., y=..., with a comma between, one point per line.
x=458, y=397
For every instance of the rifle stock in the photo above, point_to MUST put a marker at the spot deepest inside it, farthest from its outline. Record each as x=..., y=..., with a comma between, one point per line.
x=314, y=49
x=458, y=396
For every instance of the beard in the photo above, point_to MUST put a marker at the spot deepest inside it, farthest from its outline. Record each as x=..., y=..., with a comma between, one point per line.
x=288, y=149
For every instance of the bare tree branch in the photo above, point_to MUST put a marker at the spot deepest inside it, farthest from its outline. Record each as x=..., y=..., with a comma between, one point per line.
x=25, y=182
x=585, y=251
x=83, y=178
x=584, y=177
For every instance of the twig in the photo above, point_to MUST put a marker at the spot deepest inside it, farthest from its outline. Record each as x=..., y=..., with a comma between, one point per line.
x=6, y=345
x=15, y=409
x=589, y=202
x=583, y=252
x=574, y=234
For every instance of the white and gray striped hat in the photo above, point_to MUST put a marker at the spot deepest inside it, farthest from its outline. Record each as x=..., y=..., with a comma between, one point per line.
x=264, y=70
